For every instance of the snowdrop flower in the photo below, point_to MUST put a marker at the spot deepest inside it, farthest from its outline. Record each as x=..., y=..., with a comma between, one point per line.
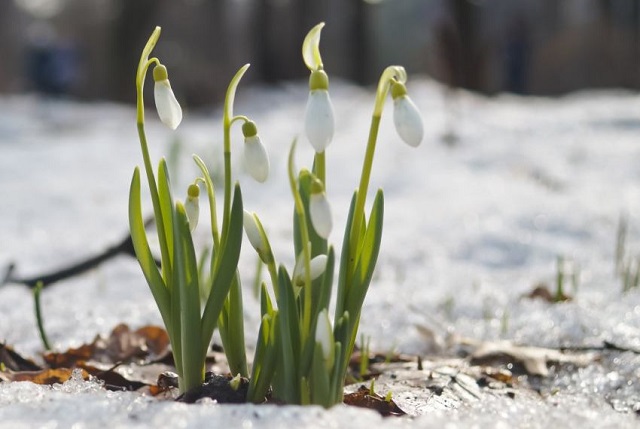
x=167, y=106
x=406, y=116
x=319, y=122
x=192, y=206
x=251, y=228
x=317, y=266
x=320, y=210
x=324, y=336
x=256, y=159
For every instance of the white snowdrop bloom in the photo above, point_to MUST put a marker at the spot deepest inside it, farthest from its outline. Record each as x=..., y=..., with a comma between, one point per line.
x=317, y=266
x=192, y=206
x=406, y=116
x=324, y=336
x=319, y=122
x=252, y=231
x=168, y=108
x=320, y=212
x=256, y=160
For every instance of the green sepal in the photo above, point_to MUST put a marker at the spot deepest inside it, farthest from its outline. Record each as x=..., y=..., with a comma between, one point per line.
x=224, y=270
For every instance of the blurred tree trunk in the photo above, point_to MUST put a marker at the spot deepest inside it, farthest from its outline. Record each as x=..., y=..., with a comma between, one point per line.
x=134, y=23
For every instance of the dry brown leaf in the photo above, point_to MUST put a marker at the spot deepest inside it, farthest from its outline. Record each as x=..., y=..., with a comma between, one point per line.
x=46, y=376
x=364, y=398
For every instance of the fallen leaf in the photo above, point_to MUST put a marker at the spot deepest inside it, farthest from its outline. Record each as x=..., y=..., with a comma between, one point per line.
x=363, y=398
x=46, y=376
x=13, y=361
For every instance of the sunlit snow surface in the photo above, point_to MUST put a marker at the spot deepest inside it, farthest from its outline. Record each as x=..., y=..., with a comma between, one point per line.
x=469, y=229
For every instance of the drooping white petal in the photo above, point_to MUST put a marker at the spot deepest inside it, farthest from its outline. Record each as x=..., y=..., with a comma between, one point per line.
x=168, y=108
x=319, y=123
x=408, y=121
x=317, y=266
x=252, y=231
x=192, y=208
x=324, y=336
x=256, y=159
x=320, y=211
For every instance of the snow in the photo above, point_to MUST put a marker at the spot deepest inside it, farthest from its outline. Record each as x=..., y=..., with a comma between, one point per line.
x=469, y=229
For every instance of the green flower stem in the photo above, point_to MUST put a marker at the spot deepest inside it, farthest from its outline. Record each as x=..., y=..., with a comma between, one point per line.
x=320, y=168
x=143, y=67
x=391, y=73
x=306, y=252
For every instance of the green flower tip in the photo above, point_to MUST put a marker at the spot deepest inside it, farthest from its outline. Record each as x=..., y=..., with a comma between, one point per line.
x=316, y=186
x=318, y=80
x=249, y=129
x=160, y=73
x=398, y=90
x=193, y=191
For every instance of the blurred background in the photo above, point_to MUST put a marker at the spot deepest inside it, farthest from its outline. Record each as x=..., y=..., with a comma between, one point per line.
x=88, y=49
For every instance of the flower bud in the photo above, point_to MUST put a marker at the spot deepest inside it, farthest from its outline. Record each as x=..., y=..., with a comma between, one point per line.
x=317, y=266
x=319, y=122
x=320, y=210
x=406, y=116
x=256, y=159
x=191, y=205
x=324, y=337
x=168, y=108
x=251, y=228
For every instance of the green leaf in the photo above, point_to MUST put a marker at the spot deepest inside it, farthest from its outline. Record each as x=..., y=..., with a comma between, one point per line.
x=143, y=252
x=187, y=285
x=343, y=273
x=266, y=307
x=311, y=48
x=223, y=271
x=289, y=335
x=263, y=362
x=232, y=332
x=369, y=252
x=166, y=207
x=320, y=386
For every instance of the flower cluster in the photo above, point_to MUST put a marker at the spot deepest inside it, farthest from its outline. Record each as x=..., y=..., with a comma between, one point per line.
x=301, y=355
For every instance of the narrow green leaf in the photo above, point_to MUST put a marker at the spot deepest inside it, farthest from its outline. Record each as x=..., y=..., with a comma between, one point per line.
x=320, y=385
x=263, y=363
x=166, y=207
x=143, y=252
x=233, y=340
x=266, y=307
x=369, y=252
x=289, y=335
x=186, y=265
x=224, y=271
x=343, y=273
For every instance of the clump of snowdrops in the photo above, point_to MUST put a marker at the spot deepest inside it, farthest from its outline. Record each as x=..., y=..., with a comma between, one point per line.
x=302, y=352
